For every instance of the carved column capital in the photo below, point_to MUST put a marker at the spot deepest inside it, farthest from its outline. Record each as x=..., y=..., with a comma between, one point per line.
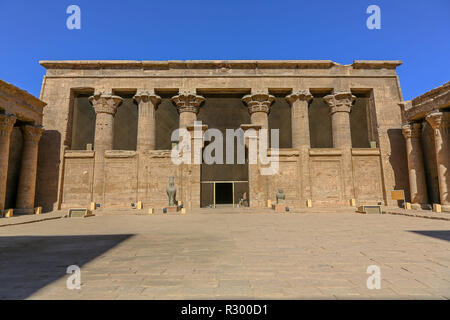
x=303, y=95
x=105, y=102
x=188, y=101
x=32, y=133
x=147, y=96
x=412, y=130
x=6, y=124
x=438, y=120
x=258, y=101
x=340, y=102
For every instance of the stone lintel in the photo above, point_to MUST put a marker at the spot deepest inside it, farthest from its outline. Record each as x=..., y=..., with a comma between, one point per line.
x=79, y=154
x=365, y=152
x=120, y=154
x=325, y=152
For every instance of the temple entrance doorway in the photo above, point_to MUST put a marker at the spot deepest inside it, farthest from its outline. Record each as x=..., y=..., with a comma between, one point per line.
x=223, y=184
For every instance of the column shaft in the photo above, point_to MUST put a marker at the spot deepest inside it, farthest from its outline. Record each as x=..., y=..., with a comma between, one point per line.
x=147, y=105
x=299, y=118
x=28, y=169
x=440, y=121
x=105, y=106
x=299, y=102
x=417, y=181
x=6, y=127
x=340, y=106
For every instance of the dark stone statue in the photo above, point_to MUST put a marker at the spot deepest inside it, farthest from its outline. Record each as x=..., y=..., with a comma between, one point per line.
x=280, y=196
x=171, y=191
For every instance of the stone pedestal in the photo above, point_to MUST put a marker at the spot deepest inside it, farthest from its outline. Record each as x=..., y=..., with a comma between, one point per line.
x=188, y=104
x=340, y=105
x=172, y=209
x=28, y=169
x=6, y=127
x=417, y=182
x=440, y=122
x=147, y=104
x=279, y=207
x=105, y=106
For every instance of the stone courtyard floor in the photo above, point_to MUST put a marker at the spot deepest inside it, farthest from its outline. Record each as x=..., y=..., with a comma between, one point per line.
x=227, y=254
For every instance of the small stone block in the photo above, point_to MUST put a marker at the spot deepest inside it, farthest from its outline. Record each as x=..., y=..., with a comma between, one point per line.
x=269, y=203
x=9, y=213
x=437, y=207
x=171, y=209
x=373, y=144
x=80, y=213
x=309, y=203
x=92, y=206
x=408, y=206
x=140, y=205
x=369, y=209
x=89, y=146
x=150, y=210
x=38, y=210
x=183, y=210
x=353, y=202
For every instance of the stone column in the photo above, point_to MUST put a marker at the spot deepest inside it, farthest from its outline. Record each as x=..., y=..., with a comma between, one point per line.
x=28, y=168
x=340, y=106
x=300, y=137
x=440, y=122
x=105, y=106
x=258, y=104
x=257, y=183
x=299, y=118
x=147, y=104
x=6, y=126
x=188, y=104
x=191, y=174
x=417, y=181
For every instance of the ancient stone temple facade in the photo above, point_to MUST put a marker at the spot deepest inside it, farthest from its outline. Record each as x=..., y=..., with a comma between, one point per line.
x=20, y=131
x=427, y=135
x=109, y=126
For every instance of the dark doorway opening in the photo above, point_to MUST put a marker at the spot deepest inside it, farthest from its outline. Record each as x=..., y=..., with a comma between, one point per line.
x=224, y=193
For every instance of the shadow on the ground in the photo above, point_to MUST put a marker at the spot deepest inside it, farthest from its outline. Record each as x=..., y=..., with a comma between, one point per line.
x=439, y=234
x=29, y=263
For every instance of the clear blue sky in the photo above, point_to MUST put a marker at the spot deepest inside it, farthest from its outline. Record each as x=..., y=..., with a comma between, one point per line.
x=417, y=32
